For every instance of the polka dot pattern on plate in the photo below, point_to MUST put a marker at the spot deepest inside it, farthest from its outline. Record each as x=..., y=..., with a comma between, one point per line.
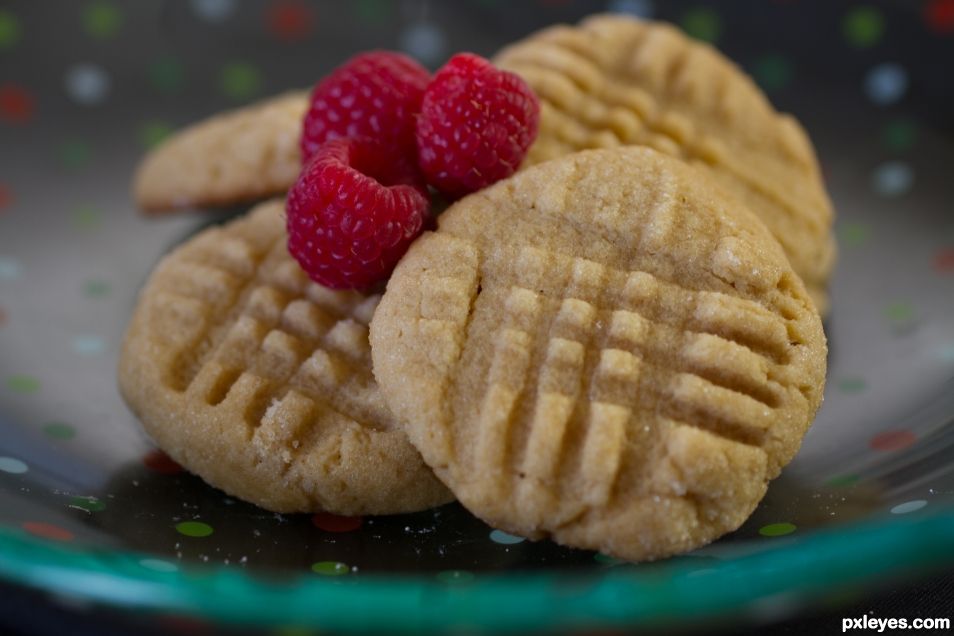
x=102, y=20
x=16, y=104
x=9, y=30
x=87, y=84
x=47, y=531
x=10, y=268
x=88, y=345
x=702, y=23
x=638, y=8
x=12, y=466
x=89, y=504
x=196, y=529
x=240, y=80
x=504, y=538
x=75, y=154
x=424, y=41
x=939, y=15
x=330, y=568
x=213, y=10
x=863, y=26
x=21, y=383
x=892, y=440
x=290, y=19
x=335, y=523
x=908, y=507
x=777, y=529
x=892, y=178
x=886, y=83
x=59, y=430
x=158, y=461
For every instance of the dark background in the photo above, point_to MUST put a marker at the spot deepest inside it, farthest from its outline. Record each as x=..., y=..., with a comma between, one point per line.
x=103, y=81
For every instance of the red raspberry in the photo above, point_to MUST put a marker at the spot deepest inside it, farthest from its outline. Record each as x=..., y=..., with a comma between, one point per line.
x=353, y=213
x=375, y=94
x=475, y=126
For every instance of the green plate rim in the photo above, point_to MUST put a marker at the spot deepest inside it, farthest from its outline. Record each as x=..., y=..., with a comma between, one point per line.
x=794, y=570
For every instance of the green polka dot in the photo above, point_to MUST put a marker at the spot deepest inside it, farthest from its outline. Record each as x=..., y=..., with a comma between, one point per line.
x=152, y=133
x=240, y=81
x=863, y=26
x=86, y=217
x=842, y=481
x=89, y=504
x=777, y=529
x=25, y=384
x=899, y=312
x=374, y=11
x=9, y=30
x=773, y=72
x=330, y=568
x=102, y=20
x=605, y=559
x=194, y=529
x=702, y=23
x=854, y=234
x=59, y=430
x=167, y=75
x=96, y=289
x=852, y=385
x=75, y=154
x=455, y=576
x=900, y=134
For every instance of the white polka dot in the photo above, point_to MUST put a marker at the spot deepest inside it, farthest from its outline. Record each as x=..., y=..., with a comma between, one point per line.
x=9, y=268
x=158, y=565
x=886, y=83
x=499, y=536
x=213, y=10
x=88, y=345
x=12, y=465
x=638, y=8
x=892, y=178
x=87, y=84
x=424, y=41
x=908, y=506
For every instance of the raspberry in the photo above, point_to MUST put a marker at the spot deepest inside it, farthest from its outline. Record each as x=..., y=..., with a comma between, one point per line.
x=475, y=126
x=375, y=94
x=353, y=213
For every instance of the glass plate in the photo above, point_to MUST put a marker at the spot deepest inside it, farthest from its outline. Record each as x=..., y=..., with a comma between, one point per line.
x=89, y=509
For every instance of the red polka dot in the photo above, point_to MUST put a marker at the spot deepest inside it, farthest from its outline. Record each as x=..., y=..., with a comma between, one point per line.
x=16, y=104
x=161, y=463
x=3, y=317
x=47, y=531
x=892, y=440
x=336, y=523
x=290, y=19
x=6, y=197
x=944, y=260
x=939, y=15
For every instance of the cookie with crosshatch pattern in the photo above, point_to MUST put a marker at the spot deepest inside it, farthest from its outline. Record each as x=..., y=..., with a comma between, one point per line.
x=603, y=350
x=232, y=157
x=259, y=380
x=616, y=80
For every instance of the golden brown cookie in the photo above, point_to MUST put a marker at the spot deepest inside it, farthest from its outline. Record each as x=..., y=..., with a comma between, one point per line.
x=604, y=350
x=259, y=381
x=616, y=80
x=232, y=157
